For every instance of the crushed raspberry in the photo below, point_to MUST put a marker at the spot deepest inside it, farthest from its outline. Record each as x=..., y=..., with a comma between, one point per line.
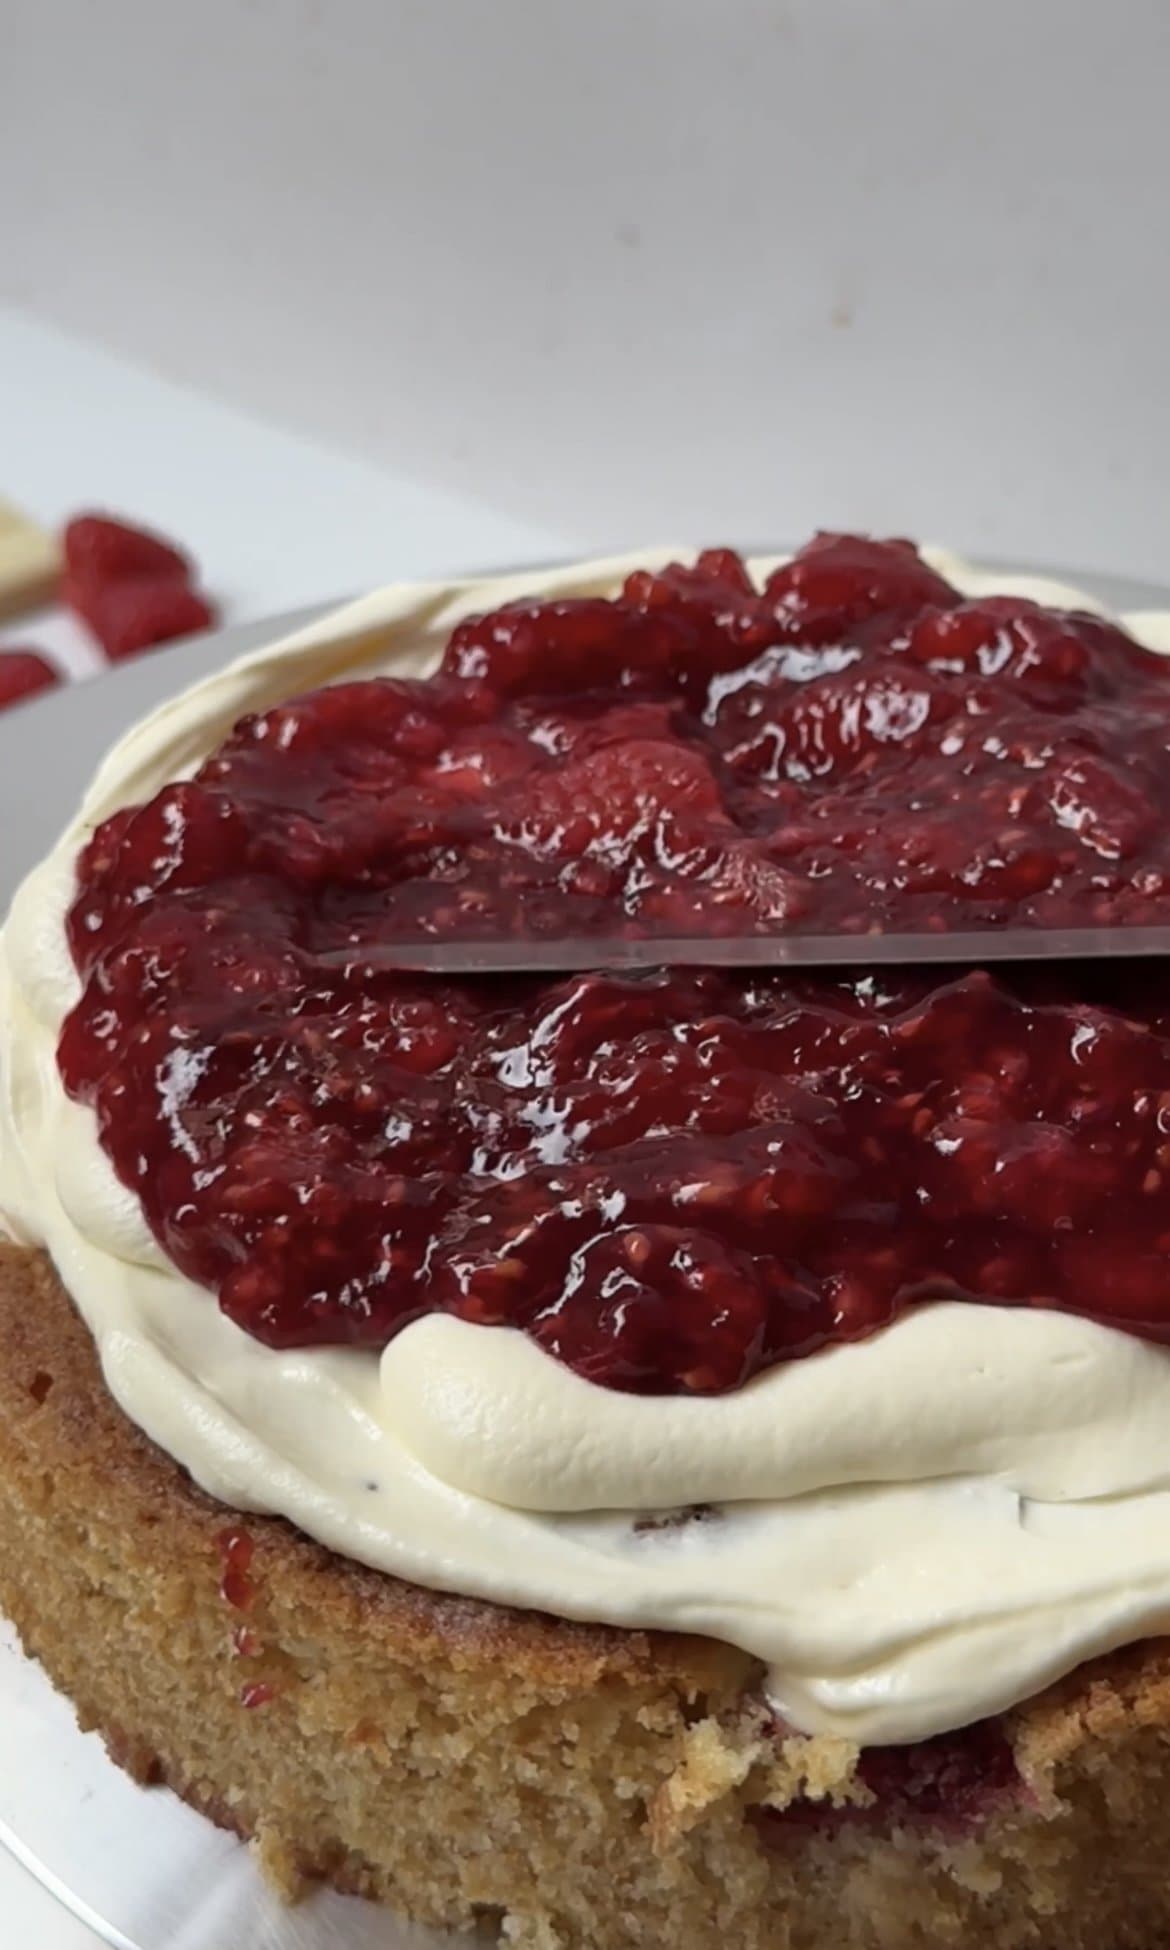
x=257, y=1692
x=99, y=548
x=671, y=1180
x=951, y=1784
x=22, y=674
x=132, y=588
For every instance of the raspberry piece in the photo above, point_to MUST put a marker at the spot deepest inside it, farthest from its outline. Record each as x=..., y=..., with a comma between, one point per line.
x=132, y=588
x=22, y=674
x=100, y=549
x=839, y=581
x=623, y=793
x=660, y=1309
x=134, y=614
x=719, y=603
x=576, y=645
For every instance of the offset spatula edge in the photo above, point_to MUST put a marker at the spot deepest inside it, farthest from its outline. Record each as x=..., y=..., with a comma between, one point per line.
x=539, y=957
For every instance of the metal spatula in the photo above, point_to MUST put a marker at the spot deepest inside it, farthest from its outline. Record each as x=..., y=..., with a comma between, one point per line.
x=516, y=956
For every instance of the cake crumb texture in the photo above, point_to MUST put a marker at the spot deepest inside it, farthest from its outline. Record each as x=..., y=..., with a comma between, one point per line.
x=564, y=1787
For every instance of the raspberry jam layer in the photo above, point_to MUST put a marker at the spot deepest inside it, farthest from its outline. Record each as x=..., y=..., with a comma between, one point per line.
x=675, y=1180
x=951, y=1785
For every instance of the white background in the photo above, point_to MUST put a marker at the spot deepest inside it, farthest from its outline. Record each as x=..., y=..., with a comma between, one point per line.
x=634, y=267
x=507, y=278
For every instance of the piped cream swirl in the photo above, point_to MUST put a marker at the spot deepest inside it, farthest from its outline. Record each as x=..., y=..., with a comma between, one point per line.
x=911, y=1532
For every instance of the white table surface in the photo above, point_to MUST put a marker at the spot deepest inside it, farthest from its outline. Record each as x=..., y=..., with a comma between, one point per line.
x=274, y=520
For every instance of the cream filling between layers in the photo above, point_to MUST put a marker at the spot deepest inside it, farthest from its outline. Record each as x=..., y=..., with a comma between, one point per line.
x=911, y=1533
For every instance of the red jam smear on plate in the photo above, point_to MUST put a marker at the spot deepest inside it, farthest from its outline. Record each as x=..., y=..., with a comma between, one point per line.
x=673, y=1180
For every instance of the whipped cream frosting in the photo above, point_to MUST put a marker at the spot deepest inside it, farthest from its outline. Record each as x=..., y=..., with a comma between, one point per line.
x=910, y=1532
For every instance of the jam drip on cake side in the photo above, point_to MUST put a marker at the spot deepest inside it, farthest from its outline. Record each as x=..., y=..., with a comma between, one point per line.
x=675, y=1180
x=950, y=1785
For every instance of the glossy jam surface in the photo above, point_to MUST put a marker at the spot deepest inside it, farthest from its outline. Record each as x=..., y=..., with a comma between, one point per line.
x=674, y=1180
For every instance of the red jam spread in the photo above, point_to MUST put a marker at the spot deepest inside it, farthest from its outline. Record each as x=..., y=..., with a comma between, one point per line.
x=674, y=1180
